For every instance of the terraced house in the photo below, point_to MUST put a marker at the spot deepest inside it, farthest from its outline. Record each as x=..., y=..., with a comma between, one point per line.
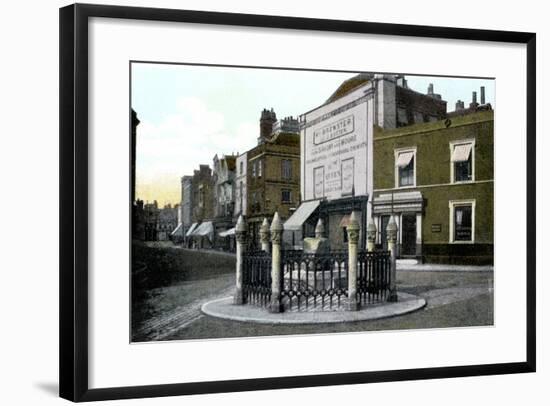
x=437, y=179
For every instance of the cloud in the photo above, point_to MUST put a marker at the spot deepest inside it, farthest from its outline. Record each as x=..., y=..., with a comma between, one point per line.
x=183, y=140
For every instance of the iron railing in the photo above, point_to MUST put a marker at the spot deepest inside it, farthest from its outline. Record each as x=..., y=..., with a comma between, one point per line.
x=257, y=277
x=316, y=281
x=373, y=276
x=313, y=280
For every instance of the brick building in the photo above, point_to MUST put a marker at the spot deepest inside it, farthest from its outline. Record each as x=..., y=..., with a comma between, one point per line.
x=272, y=172
x=437, y=179
x=201, y=232
x=223, y=184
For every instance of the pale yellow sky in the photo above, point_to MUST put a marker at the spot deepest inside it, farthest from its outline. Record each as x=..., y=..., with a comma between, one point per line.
x=164, y=189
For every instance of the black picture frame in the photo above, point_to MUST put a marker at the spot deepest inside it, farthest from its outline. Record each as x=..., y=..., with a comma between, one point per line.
x=73, y=180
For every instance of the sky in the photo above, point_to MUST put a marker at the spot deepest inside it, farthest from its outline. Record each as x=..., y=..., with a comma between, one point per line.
x=190, y=113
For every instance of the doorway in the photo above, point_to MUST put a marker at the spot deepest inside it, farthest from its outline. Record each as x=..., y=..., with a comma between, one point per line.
x=408, y=236
x=384, y=220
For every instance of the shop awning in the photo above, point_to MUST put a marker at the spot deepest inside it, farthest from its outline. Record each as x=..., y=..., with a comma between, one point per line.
x=404, y=159
x=191, y=229
x=345, y=221
x=306, y=209
x=461, y=153
x=178, y=230
x=227, y=233
x=205, y=228
x=398, y=202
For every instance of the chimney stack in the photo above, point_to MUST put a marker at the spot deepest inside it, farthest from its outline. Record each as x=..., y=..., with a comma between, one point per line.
x=267, y=120
x=459, y=105
x=473, y=104
x=431, y=88
x=482, y=95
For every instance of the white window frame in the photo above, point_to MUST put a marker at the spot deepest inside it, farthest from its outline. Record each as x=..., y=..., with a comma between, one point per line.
x=396, y=153
x=452, y=205
x=452, y=145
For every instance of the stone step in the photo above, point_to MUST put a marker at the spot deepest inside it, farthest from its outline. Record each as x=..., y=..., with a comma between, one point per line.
x=407, y=261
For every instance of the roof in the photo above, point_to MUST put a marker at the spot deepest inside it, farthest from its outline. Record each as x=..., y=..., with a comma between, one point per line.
x=303, y=212
x=230, y=160
x=284, y=138
x=349, y=85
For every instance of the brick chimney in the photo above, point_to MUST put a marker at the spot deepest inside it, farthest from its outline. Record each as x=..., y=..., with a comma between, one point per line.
x=267, y=119
x=473, y=104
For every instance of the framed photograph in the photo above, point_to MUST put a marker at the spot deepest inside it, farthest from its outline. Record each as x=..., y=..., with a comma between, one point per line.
x=254, y=202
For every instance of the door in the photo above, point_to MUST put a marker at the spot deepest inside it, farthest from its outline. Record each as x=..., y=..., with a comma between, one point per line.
x=384, y=220
x=408, y=239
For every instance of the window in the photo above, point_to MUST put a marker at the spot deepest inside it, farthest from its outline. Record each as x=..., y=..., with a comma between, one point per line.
x=286, y=196
x=241, y=168
x=254, y=169
x=286, y=169
x=462, y=161
x=259, y=169
x=241, y=196
x=405, y=168
x=462, y=221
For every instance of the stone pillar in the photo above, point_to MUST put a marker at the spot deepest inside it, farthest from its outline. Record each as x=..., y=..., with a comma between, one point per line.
x=240, y=236
x=319, y=229
x=371, y=235
x=391, y=232
x=353, y=238
x=276, y=271
x=264, y=235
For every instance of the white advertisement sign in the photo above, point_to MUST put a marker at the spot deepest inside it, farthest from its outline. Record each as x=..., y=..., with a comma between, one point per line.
x=334, y=150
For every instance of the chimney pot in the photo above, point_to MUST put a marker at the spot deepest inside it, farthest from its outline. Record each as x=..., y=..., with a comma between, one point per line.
x=482, y=95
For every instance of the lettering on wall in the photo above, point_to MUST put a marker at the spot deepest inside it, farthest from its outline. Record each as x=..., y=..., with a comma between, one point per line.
x=319, y=179
x=333, y=130
x=347, y=176
x=335, y=154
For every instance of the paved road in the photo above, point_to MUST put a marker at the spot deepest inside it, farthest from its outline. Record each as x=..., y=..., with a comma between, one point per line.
x=177, y=282
x=454, y=299
x=179, y=318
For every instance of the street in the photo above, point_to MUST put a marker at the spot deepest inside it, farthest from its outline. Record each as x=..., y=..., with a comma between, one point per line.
x=168, y=295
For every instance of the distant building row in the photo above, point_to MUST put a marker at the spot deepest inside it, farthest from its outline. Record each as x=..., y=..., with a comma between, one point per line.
x=255, y=184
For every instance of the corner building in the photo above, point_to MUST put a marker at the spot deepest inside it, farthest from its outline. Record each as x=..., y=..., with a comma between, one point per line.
x=380, y=148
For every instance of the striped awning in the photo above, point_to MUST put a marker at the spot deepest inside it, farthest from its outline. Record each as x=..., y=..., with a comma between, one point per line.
x=404, y=159
x=178, y=230
x=206, y=228
x=345, y=221
x=306, y=209
x=227, y=233
x=461, y=152
x=191, y=229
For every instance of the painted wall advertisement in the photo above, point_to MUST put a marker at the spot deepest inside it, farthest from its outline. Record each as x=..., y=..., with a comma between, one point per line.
x=335, y=153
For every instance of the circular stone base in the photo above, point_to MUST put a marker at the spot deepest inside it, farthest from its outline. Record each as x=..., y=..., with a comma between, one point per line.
x=225, y=309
